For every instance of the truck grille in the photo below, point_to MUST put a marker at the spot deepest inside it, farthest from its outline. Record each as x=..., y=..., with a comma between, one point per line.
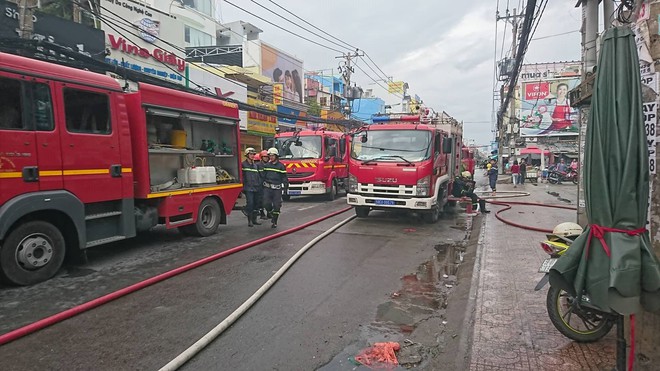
x=390, y=191
x=300, y=175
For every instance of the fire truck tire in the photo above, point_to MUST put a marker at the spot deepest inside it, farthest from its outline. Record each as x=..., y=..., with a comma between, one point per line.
x=208, y=219
x=33, y=252
x=332, y=195
x=433, y=215
x=362, y=211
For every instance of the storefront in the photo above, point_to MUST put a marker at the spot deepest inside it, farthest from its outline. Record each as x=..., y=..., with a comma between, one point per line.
x=260, y=127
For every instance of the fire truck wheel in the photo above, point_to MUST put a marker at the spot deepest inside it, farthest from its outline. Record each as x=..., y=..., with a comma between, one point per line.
x=362, y=211
x=208, y=219
x=330, y=196
x=433, y=215
x=32, y=253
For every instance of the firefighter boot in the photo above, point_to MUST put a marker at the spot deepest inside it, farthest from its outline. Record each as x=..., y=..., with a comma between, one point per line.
x=262, y=212
x=250, y=221
x=255, y=221
x=275, y=217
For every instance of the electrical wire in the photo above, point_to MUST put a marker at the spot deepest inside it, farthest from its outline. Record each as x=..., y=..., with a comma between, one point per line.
x=282, y=28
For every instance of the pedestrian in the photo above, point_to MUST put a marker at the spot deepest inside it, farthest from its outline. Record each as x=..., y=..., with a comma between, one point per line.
x=523, y=171
x=252, y=185
x=274, y=178
x=574, y=164
x=263, y=156
x=561, y=166
x=464, y=187
x=515, y=173
x=492, y=176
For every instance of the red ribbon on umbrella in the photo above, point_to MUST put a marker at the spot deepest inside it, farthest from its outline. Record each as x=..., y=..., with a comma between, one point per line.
x=599, y=231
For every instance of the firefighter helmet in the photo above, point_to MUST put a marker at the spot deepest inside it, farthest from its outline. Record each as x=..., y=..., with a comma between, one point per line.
x=567, y=231
x=273, y=151
x=250, y=150
x=466, y=174
x=264, y=153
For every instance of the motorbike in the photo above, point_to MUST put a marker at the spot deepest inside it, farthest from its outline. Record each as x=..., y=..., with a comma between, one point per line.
x=555, y=176
x=576, y=319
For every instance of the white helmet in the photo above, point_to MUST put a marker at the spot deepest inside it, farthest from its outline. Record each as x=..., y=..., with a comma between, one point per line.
x=466, y=174
x=273, y=151
x=567, y=231
x=250, y=150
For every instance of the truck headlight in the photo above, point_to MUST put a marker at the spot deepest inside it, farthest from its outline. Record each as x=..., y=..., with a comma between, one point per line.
x=423, y=186
x=352, y=184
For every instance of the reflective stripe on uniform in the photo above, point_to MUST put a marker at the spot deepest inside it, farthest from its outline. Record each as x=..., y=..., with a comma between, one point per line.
x=248, y=169
x=275, y=170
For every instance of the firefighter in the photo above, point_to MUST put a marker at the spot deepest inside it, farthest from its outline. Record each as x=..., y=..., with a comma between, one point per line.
x=464, y=187
x=274, y=178
x=251, y=185
x=263, y=156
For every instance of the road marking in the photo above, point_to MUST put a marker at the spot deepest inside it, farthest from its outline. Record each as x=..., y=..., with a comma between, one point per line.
x=306, y=207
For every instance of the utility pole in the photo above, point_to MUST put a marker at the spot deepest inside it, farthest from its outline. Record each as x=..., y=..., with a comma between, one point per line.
x=502, y=135
x=350, y=92
x=25, y=18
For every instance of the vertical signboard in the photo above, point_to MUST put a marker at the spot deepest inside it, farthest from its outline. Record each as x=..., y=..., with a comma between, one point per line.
x=144, y=46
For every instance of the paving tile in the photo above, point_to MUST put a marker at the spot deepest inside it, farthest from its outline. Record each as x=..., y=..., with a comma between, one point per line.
x=512, y=330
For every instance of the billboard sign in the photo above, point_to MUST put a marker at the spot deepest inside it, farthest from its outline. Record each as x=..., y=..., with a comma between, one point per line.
x=259, y=123
x=74, y=36
x=287, y=122
x=145, y=52
x=544, y=108
x=285, y=69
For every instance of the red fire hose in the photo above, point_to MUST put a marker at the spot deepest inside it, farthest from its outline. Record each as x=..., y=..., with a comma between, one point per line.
x=59, y=317
x=508, y=207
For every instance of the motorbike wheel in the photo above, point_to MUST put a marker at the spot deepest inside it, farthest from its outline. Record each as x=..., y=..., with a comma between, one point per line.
x=581, y=324
x=575, y=180
x=553, y=180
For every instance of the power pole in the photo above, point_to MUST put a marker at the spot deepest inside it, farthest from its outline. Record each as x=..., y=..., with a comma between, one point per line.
x=502, y=135
x=25, y=18
x=350, y=92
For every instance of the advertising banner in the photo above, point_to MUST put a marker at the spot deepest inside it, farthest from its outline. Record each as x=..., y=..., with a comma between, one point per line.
x=544, y=107
x=75, y=36
x=395, y=87
x=290, y=122
x=278, y=93
x=285, y=69
x=145, y=52
x=258, y=123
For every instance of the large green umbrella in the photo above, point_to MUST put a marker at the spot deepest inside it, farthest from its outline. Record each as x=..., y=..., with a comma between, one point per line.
x=613, y=261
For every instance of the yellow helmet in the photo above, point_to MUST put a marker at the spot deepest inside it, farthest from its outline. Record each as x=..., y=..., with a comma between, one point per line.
x=273, y=151
x=466, y=174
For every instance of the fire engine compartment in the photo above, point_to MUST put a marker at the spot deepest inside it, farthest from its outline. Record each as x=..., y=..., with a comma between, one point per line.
x=208, y=157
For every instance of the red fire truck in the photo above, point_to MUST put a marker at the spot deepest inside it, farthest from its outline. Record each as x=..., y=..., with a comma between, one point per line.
x=84, y=163
x=316, y=162
x=403, y=162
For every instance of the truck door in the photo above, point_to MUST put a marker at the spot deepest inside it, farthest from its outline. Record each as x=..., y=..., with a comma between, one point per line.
x=91, y=159
x=48, y=147
x=19, y=171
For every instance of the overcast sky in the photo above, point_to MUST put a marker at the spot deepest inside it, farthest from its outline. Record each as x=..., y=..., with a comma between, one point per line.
x=443, y=49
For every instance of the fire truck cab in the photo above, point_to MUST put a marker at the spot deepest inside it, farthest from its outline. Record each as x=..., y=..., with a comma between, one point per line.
x=401, y=163
x=84, y=163
x=316, y=162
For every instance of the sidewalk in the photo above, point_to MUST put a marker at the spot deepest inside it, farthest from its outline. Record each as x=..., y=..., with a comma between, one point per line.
x=512, y=330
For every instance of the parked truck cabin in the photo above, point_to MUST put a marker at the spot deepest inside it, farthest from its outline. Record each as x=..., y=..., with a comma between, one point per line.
x=84, y=163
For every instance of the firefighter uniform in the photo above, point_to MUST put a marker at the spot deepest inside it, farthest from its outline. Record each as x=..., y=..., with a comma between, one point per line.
x=274, y=175
x=251, y=186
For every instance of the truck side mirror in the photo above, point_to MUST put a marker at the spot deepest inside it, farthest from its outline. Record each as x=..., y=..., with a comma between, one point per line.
x=447, y=145
x=363, y=139
x=342, y=144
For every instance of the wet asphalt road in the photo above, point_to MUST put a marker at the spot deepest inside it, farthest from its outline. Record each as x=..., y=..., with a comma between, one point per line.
x=325, y=305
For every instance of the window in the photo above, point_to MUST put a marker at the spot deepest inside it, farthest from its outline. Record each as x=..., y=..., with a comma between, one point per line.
x=87, y=112
x=202, y=6
x=195, y=37
x=323, y=101
x=11, y=115
x=42, y=107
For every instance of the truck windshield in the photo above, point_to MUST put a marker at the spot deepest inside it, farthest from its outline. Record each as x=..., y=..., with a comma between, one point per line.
x=305, y=147
x=392, y=145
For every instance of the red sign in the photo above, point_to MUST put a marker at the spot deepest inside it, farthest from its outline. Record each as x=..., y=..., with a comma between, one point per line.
x=157, y=54
x=537, y=90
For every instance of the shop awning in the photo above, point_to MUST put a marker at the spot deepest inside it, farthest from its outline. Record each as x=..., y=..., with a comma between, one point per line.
x=533, y=151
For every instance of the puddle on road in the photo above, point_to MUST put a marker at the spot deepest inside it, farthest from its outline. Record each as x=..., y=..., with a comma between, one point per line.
x=421, y=299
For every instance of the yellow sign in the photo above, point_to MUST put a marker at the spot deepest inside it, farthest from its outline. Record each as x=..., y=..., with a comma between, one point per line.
x=278, y=93
x=395, y=87
x=259, y=123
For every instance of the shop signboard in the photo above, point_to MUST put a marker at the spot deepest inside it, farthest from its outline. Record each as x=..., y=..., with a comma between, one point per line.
x=288, y=122
x=78, y=37
x=140, y=47
x=259, y=123
x=285, y=69
x=544, y=108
